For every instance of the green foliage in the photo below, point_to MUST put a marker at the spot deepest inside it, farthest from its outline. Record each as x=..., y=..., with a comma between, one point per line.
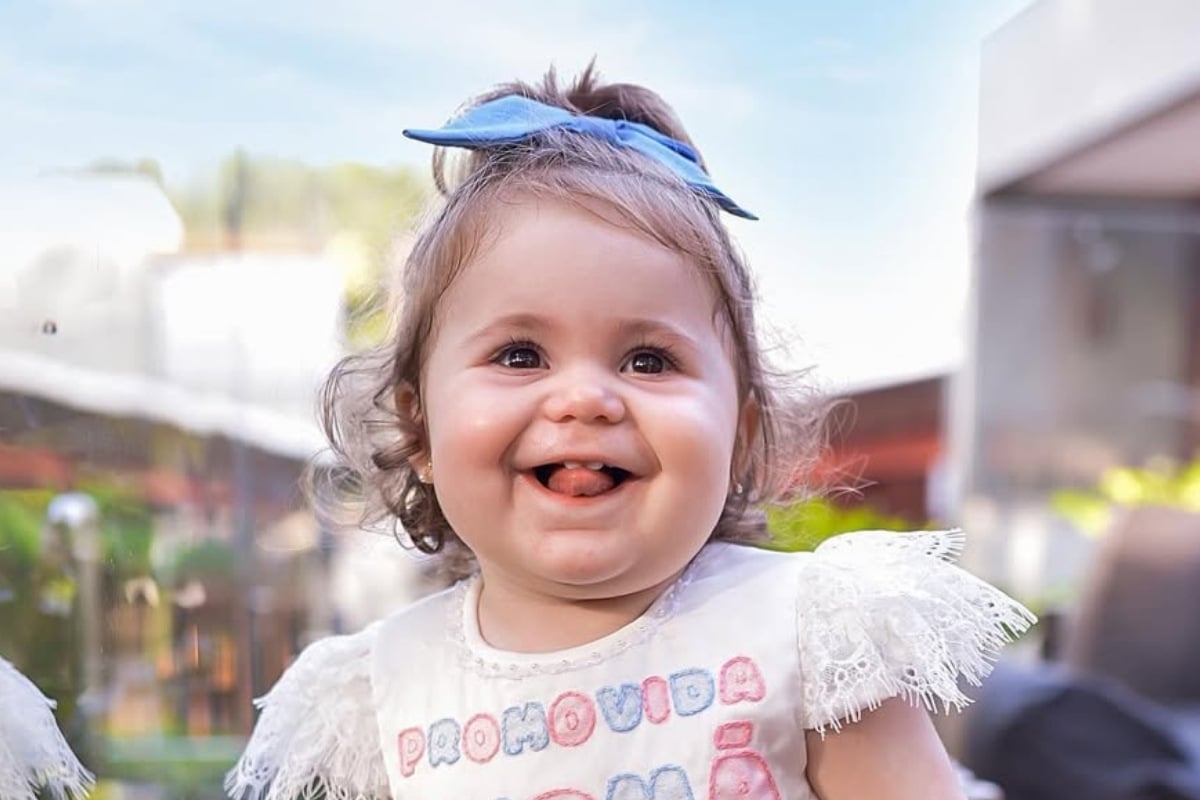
x=182, y=767
x=1162, y=482
x=20, y=520
x=37, y=636
x=207, y=558
x=38, y=589
x=804, y=525
x=126, y=530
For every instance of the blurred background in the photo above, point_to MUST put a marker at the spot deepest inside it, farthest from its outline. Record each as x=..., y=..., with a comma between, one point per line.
x=980, y=226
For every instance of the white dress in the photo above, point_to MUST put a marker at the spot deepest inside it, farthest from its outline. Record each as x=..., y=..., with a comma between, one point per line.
x=33, y=754
x=707, y=695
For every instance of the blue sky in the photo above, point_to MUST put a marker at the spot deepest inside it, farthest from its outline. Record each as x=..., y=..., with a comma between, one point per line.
x=847, y=126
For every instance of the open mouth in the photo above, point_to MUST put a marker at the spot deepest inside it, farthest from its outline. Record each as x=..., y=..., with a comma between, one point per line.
x=577, y=479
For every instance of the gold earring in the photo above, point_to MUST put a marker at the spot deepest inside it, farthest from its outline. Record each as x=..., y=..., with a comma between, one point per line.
x=736, y=484
x=426, y=475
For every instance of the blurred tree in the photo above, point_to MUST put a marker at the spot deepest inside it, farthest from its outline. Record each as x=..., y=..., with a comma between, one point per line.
x=38, y=588
x=1162, y=482
x=38, y=582
x=805, y=524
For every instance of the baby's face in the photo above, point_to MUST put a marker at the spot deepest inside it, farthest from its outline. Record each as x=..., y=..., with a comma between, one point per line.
x=581, y=406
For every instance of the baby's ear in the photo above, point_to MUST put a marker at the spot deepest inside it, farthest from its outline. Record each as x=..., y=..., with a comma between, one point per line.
x=408, y=406
x=747, y=434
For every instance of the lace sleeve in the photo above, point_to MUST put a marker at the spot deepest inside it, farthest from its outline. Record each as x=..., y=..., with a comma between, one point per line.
x=884, y=614
x=316, y=736
x=33, y=753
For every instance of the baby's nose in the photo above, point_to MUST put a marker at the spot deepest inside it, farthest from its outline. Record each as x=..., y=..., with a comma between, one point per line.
x=584, y=396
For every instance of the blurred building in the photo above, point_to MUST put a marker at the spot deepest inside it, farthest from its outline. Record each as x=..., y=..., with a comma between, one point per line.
x=185, y=384
x=1084, y=350
x=887, y=445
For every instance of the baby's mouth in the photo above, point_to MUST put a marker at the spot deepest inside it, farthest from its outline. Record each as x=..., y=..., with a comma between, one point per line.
x=576, y=479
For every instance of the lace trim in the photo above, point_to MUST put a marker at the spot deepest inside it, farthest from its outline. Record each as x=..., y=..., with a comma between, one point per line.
x=33, y=753
x=485, y=663
x=886, y=615
x=316, y=736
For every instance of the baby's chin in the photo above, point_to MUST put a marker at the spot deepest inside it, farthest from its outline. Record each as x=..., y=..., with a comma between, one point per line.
x=598, y=579
x=588, y=564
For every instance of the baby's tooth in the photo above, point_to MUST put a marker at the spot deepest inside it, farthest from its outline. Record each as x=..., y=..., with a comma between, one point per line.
x=596, y=465
x=572, y=464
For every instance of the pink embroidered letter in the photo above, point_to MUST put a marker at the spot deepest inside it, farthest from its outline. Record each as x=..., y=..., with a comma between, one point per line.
x=656, y=700
x=741, y=680
x=481, y=738
x=572, y=719
x=743, y=775
x=412, y=747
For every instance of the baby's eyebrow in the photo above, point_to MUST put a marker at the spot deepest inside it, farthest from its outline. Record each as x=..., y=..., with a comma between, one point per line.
x=657, y=328
x=511, y=322
x=535, y=324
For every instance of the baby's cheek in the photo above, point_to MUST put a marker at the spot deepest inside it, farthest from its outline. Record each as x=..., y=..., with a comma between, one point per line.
x=698, y=427
x=471, y=426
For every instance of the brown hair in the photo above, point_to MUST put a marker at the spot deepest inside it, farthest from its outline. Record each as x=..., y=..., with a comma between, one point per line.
x=373, y=439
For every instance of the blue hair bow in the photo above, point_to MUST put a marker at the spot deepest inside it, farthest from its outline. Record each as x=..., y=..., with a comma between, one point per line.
x=513, y=118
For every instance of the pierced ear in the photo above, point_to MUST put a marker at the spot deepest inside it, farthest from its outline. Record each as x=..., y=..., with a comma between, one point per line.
x=408, y=405
x=747, y=432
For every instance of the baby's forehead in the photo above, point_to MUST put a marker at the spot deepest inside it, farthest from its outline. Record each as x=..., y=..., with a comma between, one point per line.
x=578, y=255
x=489, y=227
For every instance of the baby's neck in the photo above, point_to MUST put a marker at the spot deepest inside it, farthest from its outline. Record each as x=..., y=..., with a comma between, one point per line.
x=522, y=621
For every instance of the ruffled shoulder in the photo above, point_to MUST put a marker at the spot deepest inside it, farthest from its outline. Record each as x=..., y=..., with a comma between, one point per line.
x=883, y=614
x=33, y=754
x=316, y=735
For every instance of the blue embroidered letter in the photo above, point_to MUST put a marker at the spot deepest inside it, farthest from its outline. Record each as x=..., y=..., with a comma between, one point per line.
x=523, y=727
x=443, y=742
x=692, y=691
x=622, y=708
x=666, y=783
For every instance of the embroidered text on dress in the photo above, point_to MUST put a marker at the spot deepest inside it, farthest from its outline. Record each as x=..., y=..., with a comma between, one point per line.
x=574, y=717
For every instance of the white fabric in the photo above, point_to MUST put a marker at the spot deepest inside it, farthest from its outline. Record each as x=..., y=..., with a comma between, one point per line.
x=33, y=754
x=316, y=734
x=882, y=615
x=708, y=694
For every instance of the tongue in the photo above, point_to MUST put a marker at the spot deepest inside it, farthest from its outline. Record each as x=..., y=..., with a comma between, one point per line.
x=579, y=481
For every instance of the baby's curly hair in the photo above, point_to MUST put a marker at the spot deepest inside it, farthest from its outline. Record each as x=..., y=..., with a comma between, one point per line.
x=370, y=403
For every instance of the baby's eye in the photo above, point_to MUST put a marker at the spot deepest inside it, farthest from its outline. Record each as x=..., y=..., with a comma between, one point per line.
x=648, y=362
x=519, y=356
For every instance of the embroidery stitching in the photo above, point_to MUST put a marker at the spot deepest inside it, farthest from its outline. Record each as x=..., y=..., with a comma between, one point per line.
x=444, y=736
x=481, y=738
x=622, y=708
x=656, y=699
x=741, y=680
x=518, y=729
x=572, y=719
x=692, y=691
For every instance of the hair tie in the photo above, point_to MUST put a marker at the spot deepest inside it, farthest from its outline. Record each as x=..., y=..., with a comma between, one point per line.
x=513, y=118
